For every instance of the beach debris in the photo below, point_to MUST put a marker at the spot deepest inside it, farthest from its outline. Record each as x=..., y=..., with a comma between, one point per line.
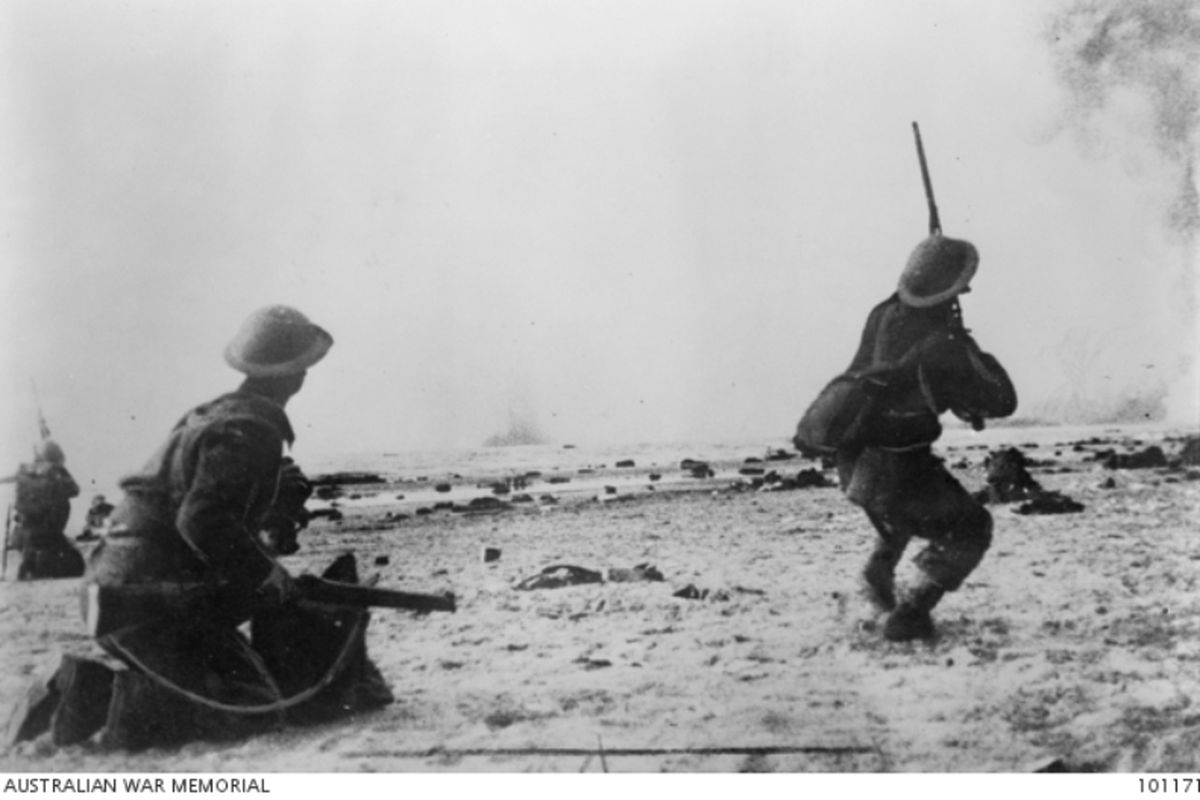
x=625, y=463
x=558, y=576
x=1008, y=480
x=521, y=498
x=752, y=460
x=751, y=471
x=346, y=479
x=804, y=479
x=1049, y=502
x=640, y=572
x=694, y=592
x=548, y=500
x=780, y=455
x=691, y=464
x=654, y=476
x=558, y=479
x=593, y=663
x=1149, y=458
x=382, y=561
x=442, y=487
x=490, y=554
x=500, y=488
x=479, y=505
x=610, y=490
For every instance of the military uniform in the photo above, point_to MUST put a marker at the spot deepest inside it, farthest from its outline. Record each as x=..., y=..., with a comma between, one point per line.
x=192, y=515
x=919, y=362
x=43, y=506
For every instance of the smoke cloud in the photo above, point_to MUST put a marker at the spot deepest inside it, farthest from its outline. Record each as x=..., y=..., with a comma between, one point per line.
x=1131, y=70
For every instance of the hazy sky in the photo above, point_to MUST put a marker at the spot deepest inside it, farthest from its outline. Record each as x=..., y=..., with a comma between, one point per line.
x=630, y=220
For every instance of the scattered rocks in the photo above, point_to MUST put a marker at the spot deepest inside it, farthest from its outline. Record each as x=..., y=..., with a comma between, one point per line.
x=328, y=513
x=1189, y=456
x=625, y=463
x=780, y=455
x=442, y=487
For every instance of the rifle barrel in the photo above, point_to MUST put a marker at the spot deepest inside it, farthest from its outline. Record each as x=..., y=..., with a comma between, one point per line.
x=935, y=224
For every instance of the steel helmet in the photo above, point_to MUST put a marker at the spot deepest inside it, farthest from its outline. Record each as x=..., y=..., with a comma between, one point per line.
x=277, y=340
x=939, y=269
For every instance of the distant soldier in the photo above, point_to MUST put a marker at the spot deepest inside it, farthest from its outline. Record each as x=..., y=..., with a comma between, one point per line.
x=97, y=520
x=915, y=361
x=193, y=516
x=43, y=506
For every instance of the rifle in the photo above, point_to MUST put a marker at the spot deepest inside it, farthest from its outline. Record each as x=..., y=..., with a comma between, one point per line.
x=109, y=608
x=8, y=517
x=935, y=224
x=43, y=428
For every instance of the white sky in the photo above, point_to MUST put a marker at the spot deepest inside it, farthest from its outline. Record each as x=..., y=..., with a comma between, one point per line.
x=635, y=219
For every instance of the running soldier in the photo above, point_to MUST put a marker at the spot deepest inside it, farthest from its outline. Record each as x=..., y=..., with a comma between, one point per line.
x=916, y=360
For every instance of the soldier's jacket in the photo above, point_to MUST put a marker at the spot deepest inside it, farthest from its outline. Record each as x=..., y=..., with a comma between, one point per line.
x=194, y=510
x=912, y=365
x=923, y=363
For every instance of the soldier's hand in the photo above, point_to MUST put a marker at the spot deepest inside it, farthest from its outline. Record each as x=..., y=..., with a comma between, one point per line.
x=279, y=588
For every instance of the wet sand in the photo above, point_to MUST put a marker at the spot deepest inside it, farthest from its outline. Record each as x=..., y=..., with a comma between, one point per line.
x=1077, y=639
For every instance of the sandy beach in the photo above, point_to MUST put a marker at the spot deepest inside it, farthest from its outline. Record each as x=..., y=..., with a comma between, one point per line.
x=1075, y=645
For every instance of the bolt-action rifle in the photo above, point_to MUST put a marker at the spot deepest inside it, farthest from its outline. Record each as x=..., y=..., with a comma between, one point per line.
x=109, y=608
x=935, y=224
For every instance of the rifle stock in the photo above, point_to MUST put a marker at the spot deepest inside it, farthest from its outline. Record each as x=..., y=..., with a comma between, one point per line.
x=109, y=608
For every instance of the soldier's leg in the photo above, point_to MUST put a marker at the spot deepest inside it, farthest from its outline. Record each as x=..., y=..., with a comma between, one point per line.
x=871, y=479
x=177, y=675
x=959, y=531
x=307, y=643
x=879, y=574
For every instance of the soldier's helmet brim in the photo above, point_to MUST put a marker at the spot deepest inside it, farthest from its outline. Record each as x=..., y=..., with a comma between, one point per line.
x=275, y=341
x=939, y=269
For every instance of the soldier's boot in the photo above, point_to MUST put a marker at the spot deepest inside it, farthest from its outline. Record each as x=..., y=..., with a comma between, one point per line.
x=71, y=703
x=912, y=619
x=87, y=688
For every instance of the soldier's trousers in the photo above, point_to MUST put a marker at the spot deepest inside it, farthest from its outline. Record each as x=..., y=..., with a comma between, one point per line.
x=909, y=494
x=179, y=674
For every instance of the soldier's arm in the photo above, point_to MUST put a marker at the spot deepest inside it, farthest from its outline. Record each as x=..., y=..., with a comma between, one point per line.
x=232, y=485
